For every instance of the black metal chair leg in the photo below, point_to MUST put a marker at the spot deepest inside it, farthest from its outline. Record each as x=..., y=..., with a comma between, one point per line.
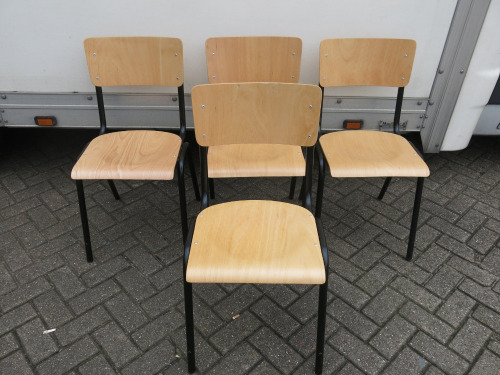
x=305, y=190
x=188, y=303
x=321, y=183
x=414, y=219
x=204, y=178
x=320, y=339
x=182, y=191
x=85, y=222
x=211, y=188
x=384, y=188
x=293, y=182
x=302, y=189
x=193, y=176
x=114, y=190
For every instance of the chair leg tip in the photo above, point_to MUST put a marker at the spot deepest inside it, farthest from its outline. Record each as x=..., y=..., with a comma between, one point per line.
x=409, y=254
x=318, y=367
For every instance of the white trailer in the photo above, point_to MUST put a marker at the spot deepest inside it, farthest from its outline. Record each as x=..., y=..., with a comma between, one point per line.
x=43, y=68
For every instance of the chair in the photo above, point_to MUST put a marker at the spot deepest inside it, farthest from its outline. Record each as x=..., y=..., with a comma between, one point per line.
x=365, y=153
x=134, y=154
x=256, y=241
x=254, y=59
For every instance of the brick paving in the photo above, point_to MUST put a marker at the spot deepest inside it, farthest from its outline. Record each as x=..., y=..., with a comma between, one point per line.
x=124, y=313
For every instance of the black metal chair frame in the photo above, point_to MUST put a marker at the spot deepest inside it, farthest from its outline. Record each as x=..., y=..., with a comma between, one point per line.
x=114, y=190
x=323, y=288
x=323, y=163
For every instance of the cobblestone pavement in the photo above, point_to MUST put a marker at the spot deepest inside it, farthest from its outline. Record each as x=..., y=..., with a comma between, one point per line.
x=124, y=313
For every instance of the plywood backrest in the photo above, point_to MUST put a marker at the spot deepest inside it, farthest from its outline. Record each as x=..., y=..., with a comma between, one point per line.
x=253, y=59
x=366, y=62
x=253, y=113
x=128, y=61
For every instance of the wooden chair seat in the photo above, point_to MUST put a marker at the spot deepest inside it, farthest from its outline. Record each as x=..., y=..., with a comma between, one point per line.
x=255, y=160
x=365, y=153
x=255, y=242
x=129, y=155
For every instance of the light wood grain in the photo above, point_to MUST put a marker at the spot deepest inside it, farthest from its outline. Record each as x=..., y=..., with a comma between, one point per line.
x=268, y=113
x=365, y=153
x=366, y=62
x=253, y=59
x=123, y=61
x=255, y=242
x=260, y=160
x=129, y=155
